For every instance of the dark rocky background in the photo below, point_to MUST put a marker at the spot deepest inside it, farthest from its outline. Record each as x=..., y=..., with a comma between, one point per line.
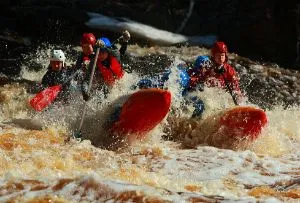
x=263, y=30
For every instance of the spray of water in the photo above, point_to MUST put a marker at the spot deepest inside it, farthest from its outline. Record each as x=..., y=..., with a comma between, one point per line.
x=44, y=162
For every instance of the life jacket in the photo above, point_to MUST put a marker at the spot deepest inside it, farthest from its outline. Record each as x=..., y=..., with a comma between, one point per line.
x=214, y=79
x=111, y=72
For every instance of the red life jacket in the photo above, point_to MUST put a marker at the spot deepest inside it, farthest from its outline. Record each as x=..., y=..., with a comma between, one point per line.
x=113, y=72
x=213, y=79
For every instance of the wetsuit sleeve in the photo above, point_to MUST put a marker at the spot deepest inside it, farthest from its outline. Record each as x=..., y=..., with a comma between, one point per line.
x=78, y=63
x=119, y=54
x=123, y=48
x=115, y=53
x=233, y=78
x=67, y=75
x=47, y=79
x=86, y=79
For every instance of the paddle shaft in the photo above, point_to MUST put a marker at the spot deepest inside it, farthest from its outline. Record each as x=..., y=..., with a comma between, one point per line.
x=230, y=91
x=89, y=88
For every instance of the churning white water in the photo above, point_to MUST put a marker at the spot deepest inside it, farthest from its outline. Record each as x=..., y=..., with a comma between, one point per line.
x=38, y=162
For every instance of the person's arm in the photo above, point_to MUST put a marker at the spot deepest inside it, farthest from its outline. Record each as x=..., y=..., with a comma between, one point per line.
x=68, y=75
x=123, y=48
x=123, y=41
x=115, y=53
x=78, y=62
x=233, y=80
x=47, y=79
x=197, y=78
x=85, y=82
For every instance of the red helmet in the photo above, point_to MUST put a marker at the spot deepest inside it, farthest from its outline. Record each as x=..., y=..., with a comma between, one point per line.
x=219, y=47
x=88, y=38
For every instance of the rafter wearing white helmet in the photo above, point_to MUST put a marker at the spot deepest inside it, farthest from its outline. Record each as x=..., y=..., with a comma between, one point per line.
x=58, y=55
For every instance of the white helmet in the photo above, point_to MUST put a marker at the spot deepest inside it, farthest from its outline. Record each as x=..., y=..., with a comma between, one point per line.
x=58, y=55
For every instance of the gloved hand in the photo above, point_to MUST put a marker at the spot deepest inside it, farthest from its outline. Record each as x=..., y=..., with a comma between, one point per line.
x=86, y=96
x=126, y=36
x=85, y=64
x=220, y=70
x=100, y=44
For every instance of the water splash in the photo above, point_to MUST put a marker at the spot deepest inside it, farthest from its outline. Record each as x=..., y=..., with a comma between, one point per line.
x=44, y=164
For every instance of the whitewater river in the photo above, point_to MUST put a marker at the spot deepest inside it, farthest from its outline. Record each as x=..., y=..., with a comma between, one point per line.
x=40, y=164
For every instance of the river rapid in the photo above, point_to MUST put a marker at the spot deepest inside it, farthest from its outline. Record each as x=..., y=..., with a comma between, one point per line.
x=39, y=163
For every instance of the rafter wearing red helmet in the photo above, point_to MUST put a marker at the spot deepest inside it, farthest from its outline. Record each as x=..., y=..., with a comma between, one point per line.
x=87, y=43
x=108, y=61
x=108, y=71
x=219, y=73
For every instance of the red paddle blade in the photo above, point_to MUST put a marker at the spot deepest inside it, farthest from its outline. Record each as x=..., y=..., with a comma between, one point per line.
x=45, y=97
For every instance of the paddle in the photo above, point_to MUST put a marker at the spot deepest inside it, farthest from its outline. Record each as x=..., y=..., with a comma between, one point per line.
x=230, y=91
x=78, y=133
x=221, y=70
x=45, y=97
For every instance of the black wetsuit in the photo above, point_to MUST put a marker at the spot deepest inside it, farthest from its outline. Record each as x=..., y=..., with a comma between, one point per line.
x=62, y=77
